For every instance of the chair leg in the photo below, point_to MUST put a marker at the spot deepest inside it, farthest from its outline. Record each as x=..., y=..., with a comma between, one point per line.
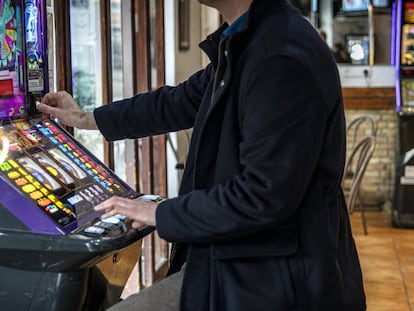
x=364, y=222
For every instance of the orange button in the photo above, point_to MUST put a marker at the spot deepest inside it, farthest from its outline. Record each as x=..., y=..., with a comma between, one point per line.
x=36, y=195
x=44, y=202
x=21, y=182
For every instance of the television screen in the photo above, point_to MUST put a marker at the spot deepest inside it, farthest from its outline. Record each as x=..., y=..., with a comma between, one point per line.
x=358, y=49
x=362, y=5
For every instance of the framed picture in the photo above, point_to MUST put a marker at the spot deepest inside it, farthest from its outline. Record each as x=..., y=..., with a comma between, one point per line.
x=183, y=25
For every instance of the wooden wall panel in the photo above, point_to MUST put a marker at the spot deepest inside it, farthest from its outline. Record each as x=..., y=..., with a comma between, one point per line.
x=369, y=98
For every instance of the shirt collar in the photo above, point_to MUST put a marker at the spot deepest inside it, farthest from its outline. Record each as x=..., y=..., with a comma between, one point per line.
x=236, y=26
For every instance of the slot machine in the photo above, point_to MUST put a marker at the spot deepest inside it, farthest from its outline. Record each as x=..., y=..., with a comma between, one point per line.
x=52, y=242
x=403, y=205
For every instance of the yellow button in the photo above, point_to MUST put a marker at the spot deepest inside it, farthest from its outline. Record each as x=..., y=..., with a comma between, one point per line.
x=52, y=198
x=13, y=175
x=60, y=204
x=13, y=163
x=29, y=188
x=22, y=171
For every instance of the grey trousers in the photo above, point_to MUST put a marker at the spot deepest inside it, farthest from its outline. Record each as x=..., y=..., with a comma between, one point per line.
x=163, y=295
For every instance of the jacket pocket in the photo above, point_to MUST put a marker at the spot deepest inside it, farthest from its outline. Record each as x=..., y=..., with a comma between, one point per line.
x=282, y=241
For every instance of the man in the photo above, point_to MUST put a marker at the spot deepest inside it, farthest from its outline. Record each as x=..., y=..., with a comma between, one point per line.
x=260, y=221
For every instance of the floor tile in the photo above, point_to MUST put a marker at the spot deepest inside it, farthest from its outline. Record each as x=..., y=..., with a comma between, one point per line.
x=387, y=262
x=386, y=297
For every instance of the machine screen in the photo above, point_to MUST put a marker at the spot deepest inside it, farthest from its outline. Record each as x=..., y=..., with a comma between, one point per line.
x=47, y=166
x=12, y=100
x=408, y=12
x=35, y=58
x=407, y=92
x=407, y=45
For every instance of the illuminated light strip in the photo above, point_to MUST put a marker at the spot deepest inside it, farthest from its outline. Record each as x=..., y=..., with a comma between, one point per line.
x=5, y=151
x=399, y=10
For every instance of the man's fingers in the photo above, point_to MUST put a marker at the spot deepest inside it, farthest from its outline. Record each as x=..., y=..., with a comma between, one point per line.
x=51, y=99
x=44, y=108
x=106, y=204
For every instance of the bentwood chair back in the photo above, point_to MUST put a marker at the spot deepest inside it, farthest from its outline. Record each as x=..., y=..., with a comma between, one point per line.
x=361, y=141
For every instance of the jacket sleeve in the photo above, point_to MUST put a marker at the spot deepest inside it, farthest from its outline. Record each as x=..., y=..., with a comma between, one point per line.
x=164, y=110
x=284, y=128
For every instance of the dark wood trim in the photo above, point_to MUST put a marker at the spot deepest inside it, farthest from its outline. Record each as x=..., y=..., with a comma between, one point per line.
x=63, y=49
x=369, y=98
x=63, y=46
x=160, y=145
x=106, y=68
x=162, y=139
x=142, y=46
x=142, y=79
x=131, y=157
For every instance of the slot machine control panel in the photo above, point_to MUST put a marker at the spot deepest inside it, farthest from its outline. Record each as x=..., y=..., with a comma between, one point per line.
x=55, y=181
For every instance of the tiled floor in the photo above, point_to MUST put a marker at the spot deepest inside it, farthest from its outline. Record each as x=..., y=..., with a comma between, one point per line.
x=387, y=261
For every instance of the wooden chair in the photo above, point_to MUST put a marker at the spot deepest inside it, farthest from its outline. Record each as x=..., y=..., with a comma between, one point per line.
x=362, y=135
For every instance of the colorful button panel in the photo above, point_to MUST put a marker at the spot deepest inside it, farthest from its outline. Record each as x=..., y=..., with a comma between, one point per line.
x=54, y=172
x=30, y=132
x=37, y=192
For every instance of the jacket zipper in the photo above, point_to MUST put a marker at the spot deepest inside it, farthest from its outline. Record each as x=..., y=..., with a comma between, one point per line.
x=217, y=72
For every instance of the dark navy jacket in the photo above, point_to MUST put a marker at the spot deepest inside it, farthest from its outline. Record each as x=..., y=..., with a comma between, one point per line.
x=260, y=208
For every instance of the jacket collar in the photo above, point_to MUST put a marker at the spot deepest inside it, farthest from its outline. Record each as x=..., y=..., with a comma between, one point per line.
x=257, y=13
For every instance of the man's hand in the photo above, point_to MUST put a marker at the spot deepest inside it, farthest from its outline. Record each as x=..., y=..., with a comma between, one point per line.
x=141, y=211
x=63, y=107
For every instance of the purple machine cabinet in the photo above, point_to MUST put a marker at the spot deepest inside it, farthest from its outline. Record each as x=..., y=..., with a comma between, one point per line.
x=50, y=236
x=403, y=203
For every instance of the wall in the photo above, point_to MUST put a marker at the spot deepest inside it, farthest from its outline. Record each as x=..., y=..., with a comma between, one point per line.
x=203, y=21
x=371, y=90
x=188, y=61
